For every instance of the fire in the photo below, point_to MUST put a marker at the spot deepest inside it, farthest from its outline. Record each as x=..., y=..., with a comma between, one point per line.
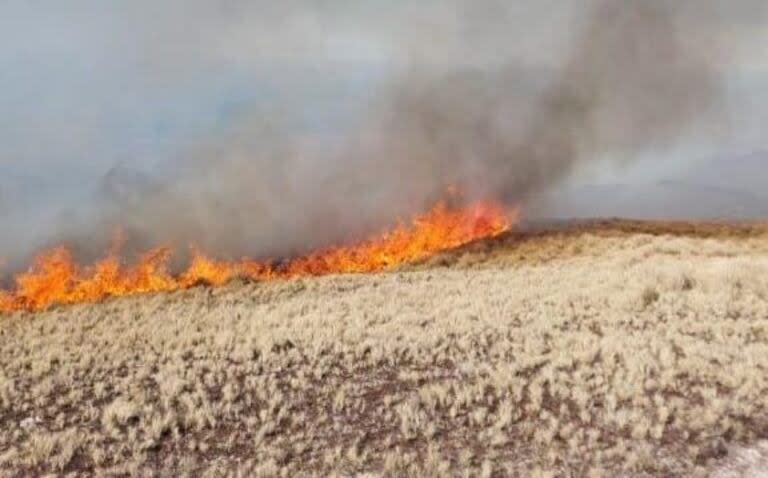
x=55, y=278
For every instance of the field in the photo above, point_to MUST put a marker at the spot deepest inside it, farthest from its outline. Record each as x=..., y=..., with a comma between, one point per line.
x=598, y=349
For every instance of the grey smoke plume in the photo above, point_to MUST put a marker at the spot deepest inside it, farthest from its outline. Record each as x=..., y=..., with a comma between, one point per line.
x=461, y=106
x=629, y=84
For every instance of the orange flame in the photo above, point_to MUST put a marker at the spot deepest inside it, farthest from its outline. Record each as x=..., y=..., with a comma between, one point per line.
x=55, y=278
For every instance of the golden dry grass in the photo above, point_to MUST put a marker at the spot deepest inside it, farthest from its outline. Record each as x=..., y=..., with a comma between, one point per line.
x=597, y=350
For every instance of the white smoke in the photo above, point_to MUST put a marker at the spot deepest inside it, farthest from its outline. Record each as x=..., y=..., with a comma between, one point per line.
x=506, y=99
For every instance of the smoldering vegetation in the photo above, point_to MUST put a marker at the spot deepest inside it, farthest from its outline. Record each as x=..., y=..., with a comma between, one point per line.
x=457, y=104
x=624, y=349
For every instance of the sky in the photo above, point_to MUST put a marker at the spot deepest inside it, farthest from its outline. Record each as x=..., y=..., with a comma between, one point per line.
x=87, y=86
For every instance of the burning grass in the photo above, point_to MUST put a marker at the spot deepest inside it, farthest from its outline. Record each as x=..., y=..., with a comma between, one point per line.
x=588, y=351
x=55, y=278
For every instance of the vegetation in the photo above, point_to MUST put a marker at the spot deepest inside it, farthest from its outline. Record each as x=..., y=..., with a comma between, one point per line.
x=587, y=352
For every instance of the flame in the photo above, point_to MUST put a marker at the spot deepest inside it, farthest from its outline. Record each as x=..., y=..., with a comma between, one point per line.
x=55, y=278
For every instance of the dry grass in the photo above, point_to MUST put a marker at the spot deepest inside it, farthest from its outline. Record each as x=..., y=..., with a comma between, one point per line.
x=590, y=351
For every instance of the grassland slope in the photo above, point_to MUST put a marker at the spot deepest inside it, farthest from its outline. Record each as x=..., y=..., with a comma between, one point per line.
x=582, y=350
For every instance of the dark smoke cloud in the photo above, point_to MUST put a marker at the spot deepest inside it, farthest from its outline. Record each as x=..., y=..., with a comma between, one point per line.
x=463, y=105
x=629, y=84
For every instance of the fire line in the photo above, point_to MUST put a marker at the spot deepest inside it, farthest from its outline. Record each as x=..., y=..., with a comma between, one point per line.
x=55, y=278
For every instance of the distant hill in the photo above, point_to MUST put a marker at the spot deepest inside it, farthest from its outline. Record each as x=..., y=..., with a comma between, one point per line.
x=715, y=189
x=746, y=173
x=123, y=185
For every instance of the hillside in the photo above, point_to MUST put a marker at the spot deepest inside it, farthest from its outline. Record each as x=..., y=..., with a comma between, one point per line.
x=730, y=187
x=588, y=349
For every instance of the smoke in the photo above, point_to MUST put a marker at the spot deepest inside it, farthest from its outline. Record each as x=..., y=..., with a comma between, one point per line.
x=503, y=99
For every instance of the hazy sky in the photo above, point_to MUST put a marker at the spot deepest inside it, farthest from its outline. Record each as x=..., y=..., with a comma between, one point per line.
x=88, y=85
